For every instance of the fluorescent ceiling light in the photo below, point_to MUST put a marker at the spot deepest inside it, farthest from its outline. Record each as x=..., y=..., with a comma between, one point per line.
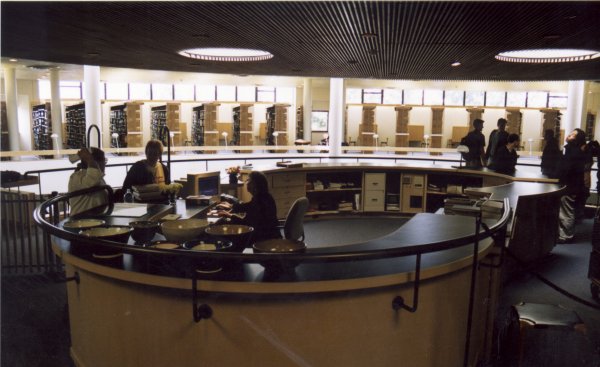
x=547, y=56
x=226, y=54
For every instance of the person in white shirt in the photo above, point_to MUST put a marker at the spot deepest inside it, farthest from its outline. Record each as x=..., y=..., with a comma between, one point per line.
x=89, y=173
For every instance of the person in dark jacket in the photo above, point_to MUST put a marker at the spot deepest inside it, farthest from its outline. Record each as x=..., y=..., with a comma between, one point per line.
x=498, y=138
x=570, y=173
x=150, y=170
x=475, y=140
x=506, y=156
x=550, y=155
x=260, y=212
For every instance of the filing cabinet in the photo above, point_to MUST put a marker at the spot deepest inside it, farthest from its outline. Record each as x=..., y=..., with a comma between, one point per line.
x=374, y=192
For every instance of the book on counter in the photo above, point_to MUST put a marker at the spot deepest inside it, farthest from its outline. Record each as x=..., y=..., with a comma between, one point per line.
x=288, y=164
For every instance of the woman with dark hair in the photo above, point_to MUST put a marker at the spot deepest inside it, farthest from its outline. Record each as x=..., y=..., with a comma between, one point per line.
x=550, y=154
x=148, y=171
x=570, y=173
x=89, y=173
x=505, y=157
x=260, y=211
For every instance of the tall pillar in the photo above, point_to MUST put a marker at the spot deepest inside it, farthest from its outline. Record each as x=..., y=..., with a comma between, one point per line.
x=55, y=108
x=10, y=87
x=576, y=108
x=91, y=96
x=307, y=103
x=336, y=115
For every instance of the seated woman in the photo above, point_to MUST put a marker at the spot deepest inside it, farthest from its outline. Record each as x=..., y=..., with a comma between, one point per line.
x=148, y=171
x=506, y=156
x=89, y=173
x=261, y=211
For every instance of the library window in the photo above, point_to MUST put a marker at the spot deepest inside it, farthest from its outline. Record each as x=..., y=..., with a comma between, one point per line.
x=454, y=98
x=285, y=95
x=225, y=93
x=516, y=99
x=413, y=97
x=353, y=95
x=70, y=90
x=139, y=91
x=162, y=92
x=495, y=99
x=557, y=100
x=433, y=97
x=265, y=94
x=246, y=93
x=537, y=99
x=117, y=91
x=392, y=96
x=206, y=93
x=474, y=98
x=184, y=92
x=373, y=96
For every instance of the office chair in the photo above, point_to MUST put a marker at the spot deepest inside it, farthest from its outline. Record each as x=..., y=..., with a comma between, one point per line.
x=293, y=226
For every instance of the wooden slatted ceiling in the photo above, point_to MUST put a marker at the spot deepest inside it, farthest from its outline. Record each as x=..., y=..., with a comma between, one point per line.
x=411, y=40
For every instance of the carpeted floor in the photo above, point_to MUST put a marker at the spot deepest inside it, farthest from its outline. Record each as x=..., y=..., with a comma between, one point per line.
x=35, y=328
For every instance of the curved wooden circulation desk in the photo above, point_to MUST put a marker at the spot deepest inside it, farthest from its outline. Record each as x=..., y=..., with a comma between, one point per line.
x=420, y=296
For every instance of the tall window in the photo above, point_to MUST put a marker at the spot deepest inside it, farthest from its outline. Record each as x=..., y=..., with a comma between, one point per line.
x=265, y=94
x=184, y=92
x=392, y=96
x=373, y=96
x=139, y=91
x=433, y=97
x=413, y=96
x=474, y=98
x=353, y=95
x=537, y=99
x=319, y=120
x=454, y=98
x=71, y=90
x=206, y=93
x=516, y=99
x=495, y=99
x=162, y=92
x=117, y=91
x=246, y=93
x=44, y=89
x=225, y=93
x=285, y=95
x=557, y=100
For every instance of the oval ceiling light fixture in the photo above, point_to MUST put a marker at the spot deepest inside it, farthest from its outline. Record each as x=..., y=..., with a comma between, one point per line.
x=455, y=64
x=545, y=56
x=226, y=54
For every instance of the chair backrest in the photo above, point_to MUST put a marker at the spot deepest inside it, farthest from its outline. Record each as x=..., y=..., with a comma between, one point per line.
x=293, y=228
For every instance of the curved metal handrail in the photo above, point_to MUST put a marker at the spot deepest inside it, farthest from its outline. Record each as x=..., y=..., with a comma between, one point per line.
x=336, y=255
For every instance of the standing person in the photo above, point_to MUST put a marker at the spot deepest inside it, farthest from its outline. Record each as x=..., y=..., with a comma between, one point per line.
x=260, y=211
x=150, y=170
x=570, y=172
x=475, y=140
x=498, y=138
x=550, y=155
x=89, y=173
x=506, y=155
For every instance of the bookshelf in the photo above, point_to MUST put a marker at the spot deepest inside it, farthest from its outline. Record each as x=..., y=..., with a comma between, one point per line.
x=41, y=116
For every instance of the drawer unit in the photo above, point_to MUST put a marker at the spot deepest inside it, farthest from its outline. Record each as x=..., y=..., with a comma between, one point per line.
x=374, y=201
x=374, y=192
x=285, y=189
x=413, y=193
x=288, y=179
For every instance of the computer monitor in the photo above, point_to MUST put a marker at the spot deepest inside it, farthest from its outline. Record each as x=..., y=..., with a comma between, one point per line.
x=205, y=183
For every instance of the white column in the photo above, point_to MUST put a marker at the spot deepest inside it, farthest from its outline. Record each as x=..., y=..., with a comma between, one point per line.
x=56, y=108
x=336, y=115
x=576, y=108
x=307, y=104
x=10, y=88
x=91, y=96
